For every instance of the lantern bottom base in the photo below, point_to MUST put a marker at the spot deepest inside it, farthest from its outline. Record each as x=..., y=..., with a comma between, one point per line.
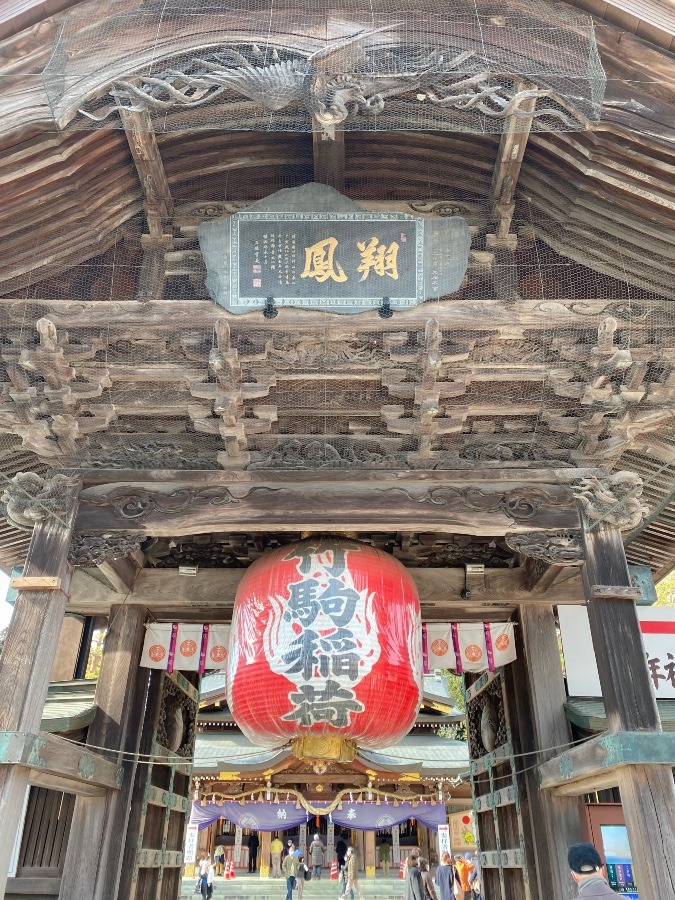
x=322, y=746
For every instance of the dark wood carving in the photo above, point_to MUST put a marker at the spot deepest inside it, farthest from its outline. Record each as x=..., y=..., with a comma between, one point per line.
x=94, y=549
x=563, y=548
x=28, y=498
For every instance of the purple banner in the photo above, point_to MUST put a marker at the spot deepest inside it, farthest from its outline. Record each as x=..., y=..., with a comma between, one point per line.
x=373, y=816
x=258, y=816
x=370, y=816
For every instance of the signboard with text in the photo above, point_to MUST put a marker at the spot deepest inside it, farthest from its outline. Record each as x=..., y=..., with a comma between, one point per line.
x=314, y=248
x=351, y=259
x=443, y=840
x=657, y=625
x=191, y=838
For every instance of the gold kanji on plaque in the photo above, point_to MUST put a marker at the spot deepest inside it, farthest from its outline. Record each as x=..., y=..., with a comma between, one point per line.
x=381, y=259
x=320, y=262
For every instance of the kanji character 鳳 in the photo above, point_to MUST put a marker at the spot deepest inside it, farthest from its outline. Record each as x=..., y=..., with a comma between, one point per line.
x=320, y=262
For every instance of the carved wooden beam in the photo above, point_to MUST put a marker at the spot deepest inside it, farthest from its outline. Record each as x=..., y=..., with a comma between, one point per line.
x=329, y=157
x=539, y=575
x=157, y=201
x=209, y=596
x=506, y=173
x=143, y=144
x=198, y=503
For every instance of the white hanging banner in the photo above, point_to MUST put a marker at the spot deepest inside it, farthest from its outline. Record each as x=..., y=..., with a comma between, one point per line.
x=440, y=652
x=216, y=647
x=185, y=647
x=468, y=647
x=188, y=647
x=156, y=647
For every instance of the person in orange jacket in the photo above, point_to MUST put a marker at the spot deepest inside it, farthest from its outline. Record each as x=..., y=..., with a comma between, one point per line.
x=464, y=869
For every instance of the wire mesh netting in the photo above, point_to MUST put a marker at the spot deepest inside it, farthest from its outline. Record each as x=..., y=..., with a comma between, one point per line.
x=366, y=66
x=538, y=360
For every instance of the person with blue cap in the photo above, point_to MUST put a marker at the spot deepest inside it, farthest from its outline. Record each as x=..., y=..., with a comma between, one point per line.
x=586, y=869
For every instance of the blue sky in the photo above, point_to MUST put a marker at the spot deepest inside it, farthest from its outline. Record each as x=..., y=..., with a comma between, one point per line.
x=5, y=608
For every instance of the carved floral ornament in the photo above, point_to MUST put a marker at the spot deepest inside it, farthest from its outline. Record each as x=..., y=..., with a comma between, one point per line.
x=29, y=498
x=561, y=548
x=95, y=549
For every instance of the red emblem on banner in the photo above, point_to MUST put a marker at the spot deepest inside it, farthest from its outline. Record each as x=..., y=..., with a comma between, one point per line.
x=502, y=642
x=157, y=653
x=218, y=653
x=326, y=640
x=188, y=648
x=473, y=652
x=439, y=647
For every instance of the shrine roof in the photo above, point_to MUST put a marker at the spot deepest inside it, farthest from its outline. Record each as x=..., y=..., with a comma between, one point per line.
x=69, y=706
x=424, y=754
x=589, y=713
x=232, y=751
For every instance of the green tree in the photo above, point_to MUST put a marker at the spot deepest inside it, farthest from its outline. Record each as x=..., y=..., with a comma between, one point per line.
x=665, y=590
x=455, y=684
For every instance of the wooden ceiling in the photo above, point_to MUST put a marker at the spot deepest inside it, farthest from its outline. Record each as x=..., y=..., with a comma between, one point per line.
x=98, y=230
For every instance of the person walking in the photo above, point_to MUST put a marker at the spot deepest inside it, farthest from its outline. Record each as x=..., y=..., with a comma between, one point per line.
x=341, y=852
x=464, y=869
x=445, y=878
x=276, y=849
x=586, y=869
x=290, y=870
x=385, y=857
x=316, y=855
x=219, y=858
x=207, y=881
x=352, y=862
x=414, y=885
x=253, y=843
x=414, y=854
x=429, y=889
x=202, y=871
x=303, y=873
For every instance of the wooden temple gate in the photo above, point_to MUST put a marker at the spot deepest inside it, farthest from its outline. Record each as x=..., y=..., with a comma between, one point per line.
x=522, y=423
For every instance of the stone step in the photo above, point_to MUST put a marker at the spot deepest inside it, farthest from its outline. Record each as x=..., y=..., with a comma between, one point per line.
x=252, y=887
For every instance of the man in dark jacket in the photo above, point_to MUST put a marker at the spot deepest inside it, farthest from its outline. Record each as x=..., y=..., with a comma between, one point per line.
x=414, y=886
x=586, y=867
x=253, y=844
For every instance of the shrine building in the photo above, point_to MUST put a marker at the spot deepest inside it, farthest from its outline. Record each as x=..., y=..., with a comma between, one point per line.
x=337, y=439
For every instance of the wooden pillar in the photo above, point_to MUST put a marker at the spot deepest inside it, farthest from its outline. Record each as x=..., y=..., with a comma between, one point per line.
x=96, y=845
x=265, y=856
x=329, y=157
x=369, y=853
x=28, y=656
x=556, y=821
x=647, y=792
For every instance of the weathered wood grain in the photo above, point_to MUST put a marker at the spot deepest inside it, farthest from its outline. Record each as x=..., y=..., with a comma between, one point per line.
x=85, y=772
x=556, y=822
x=94, y=857
x=209, y=596
x=27, y=659
x=649, y=795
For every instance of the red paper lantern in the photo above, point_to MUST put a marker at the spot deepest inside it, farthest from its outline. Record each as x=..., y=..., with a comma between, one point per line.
x=325, y=648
